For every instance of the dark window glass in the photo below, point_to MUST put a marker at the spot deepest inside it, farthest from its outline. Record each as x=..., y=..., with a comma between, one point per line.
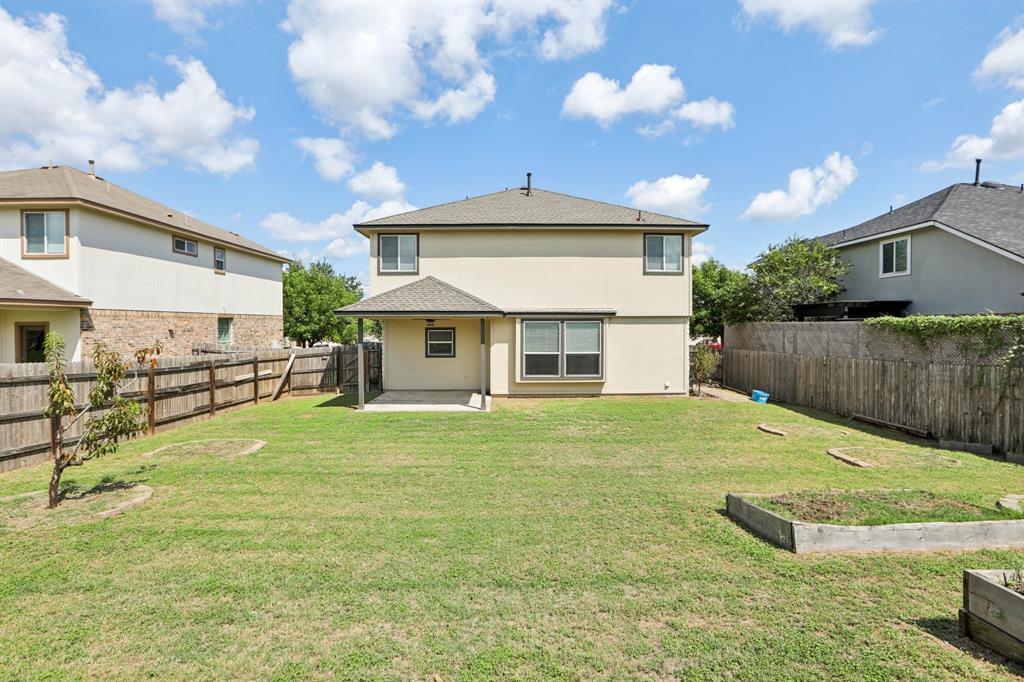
x=582, y=365
x=541, y=365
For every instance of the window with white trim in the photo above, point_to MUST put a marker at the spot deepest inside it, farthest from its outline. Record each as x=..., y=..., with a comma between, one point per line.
x=398, y=252
x=663, y=253
x=220, y=259
x=562, y=349
x=46, y=233
x=188, y=247
x=440, y=342
x=894, y=257
x=224, y=331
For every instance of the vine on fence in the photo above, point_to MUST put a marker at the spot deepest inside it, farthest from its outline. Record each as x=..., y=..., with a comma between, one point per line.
x=979, y=335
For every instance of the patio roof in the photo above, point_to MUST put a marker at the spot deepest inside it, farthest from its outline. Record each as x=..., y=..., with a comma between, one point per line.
x=426, y=296
x=18, y=286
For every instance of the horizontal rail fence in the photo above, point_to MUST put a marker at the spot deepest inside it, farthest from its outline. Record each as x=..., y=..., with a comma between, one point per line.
x=179, y=391
x=944, y=391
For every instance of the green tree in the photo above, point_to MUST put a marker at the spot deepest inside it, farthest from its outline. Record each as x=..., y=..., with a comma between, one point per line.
x=796, y=271
x=715, y=289
x=101, y=434
x=311, y=295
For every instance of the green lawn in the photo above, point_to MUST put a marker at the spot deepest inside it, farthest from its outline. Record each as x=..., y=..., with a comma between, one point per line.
x=577, y=539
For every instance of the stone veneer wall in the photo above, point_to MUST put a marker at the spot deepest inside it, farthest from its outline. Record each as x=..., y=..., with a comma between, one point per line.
x=128, y=330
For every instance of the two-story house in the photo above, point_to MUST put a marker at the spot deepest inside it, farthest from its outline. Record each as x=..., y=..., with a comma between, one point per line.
x=531, y=292
x=959, y=250
x=93, y=261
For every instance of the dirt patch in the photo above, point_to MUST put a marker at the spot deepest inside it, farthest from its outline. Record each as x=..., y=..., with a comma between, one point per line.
x=217, y=447
x=874, y=507
x=28, y=510
x=889, y=457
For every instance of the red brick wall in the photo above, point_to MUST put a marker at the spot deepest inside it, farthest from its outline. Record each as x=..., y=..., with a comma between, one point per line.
x=128, y=330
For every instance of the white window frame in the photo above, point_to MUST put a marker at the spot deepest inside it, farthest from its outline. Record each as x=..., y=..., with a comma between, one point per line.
x=223, y=258
x=562, y=374
x=450, y=342
x=663, y=270
x=231, y=331
x=398, y=271
x=45, y=253
x=881, y=257
x=185, y=240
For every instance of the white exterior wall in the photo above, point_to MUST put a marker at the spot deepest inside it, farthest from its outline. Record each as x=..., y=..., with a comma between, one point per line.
x=552, y=268
x=122, y=265
x=64, y=321
x=406, y=367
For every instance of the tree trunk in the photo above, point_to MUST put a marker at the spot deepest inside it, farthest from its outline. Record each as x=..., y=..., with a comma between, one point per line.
x=58, y=469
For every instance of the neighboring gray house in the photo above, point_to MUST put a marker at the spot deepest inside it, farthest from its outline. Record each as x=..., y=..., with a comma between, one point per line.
x=960, y=250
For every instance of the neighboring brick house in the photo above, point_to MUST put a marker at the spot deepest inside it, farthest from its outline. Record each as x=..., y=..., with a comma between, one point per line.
x=94, y=261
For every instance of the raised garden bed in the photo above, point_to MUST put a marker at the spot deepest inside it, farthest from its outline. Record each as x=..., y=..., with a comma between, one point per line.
x=837, y=521
x=217, y=447
x=883, y=457
x=993, y=611
x=28, y=510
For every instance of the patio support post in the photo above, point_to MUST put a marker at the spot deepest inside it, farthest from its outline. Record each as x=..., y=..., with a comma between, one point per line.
x=483, y=364
x=361, y=378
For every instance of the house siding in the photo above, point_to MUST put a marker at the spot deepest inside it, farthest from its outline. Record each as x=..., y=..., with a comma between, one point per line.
x=406, y=367
x=948, y=275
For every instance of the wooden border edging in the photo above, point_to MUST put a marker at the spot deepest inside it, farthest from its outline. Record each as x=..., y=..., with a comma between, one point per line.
x=801, y=538
x=993, y=615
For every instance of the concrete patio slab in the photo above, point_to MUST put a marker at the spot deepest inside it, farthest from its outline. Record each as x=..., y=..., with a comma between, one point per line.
x=427, y=401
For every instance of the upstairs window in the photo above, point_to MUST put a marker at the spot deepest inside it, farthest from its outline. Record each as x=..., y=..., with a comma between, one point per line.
x=45, y=234
x=663, y=253
x=440, y=342
x=398, y=253
x=894, y=257
x=220, y=263
x=188, y=247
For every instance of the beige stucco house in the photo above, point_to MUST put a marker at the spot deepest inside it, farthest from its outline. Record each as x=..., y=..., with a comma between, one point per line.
x=84, y=257
x=531, y=292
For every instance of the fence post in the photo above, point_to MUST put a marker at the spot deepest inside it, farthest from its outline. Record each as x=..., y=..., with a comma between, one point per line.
x=256, y=379
x=150, y=390
x=213, y=389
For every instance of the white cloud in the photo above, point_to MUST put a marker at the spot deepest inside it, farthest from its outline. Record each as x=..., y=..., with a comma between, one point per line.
x=675, y=195
x=1004, y=63
x=656, y=130
x=809, y=189
x=1005, y=141
x=652, y=89
x=361, y=64
x=185, y=16
x=379, y=181
x=334, y=160
x=702, y=251
x=707, y=113
x=843, y=23
x=121, y=129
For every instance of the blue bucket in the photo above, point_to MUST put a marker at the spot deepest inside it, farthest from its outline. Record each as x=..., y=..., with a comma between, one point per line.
x=759, y=397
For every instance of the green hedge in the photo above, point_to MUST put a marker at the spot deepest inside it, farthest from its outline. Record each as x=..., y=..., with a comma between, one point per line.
x=979, y=334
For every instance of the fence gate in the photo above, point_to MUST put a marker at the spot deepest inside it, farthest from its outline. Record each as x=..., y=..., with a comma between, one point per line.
x=372, y=358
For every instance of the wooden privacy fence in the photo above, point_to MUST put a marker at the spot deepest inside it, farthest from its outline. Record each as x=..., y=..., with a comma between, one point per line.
x=850, y=369
x=177, y=391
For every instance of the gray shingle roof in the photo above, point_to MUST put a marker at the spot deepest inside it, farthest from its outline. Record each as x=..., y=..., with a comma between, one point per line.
x=18, y=285
x=541, y=207
x=427, y=296
x=64, y=182
x=991, y=212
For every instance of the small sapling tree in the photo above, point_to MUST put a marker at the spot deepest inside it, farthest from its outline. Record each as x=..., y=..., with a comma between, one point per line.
x=705, y=364
x=101, y=434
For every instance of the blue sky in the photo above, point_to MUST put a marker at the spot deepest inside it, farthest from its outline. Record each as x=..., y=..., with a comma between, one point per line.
x=287, y=122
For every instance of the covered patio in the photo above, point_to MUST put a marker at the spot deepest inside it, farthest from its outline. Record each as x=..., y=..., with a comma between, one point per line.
x=430, y=329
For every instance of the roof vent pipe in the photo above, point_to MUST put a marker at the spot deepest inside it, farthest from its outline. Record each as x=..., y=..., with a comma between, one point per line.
x=92, y=168
x=977, y=171
x=529, y=184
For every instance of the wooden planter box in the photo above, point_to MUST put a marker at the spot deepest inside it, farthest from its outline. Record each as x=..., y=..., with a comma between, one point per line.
x=993, y=615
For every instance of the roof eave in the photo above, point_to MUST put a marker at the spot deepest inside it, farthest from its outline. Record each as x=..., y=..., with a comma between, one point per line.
x=43, y=302
x=366, y=229
x=342, y=312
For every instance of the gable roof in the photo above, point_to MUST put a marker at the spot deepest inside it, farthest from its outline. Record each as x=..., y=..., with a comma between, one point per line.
x=66, y=183
x=990, y=212
x=514, y=207
x=428, y=295
x=18, y=285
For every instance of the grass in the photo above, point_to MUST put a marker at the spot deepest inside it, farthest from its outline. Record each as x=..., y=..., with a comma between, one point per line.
x=878, y=507
x=561, y=539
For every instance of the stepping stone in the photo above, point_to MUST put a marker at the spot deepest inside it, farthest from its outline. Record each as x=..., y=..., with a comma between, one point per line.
x=840, y=454
x=771, y=429
x=1011, y=502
